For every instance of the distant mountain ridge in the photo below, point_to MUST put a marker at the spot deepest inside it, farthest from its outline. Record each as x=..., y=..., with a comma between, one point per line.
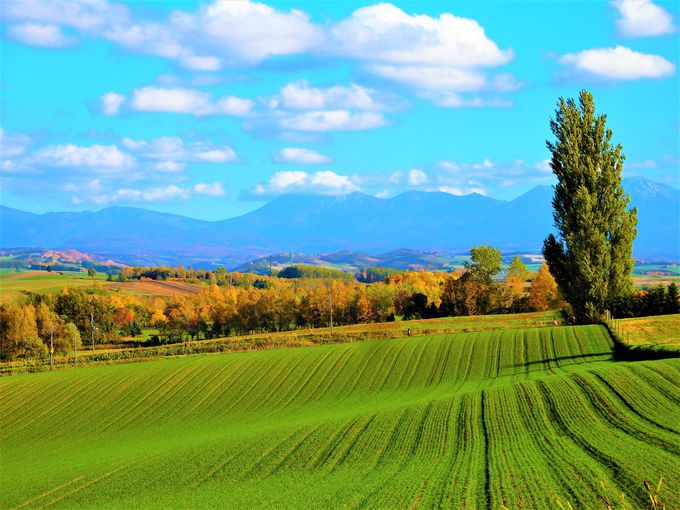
x=429, y=221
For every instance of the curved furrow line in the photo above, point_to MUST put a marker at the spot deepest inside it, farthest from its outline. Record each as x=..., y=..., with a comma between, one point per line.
x=225, y=396
x=160, y=412
x=624, y=480
x=147, y=401
x=271, y=398
x=310, y=375
x=331, y=444
x=217, y=390
x=12, y=429
x=325, y=382
x=364, y=363
x=200, y=385
x=377, y=387
x=609, y=413
x=631, y=403
x=337, y=459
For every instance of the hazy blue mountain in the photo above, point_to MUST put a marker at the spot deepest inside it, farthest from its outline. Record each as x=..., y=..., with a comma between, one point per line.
x=321, y=224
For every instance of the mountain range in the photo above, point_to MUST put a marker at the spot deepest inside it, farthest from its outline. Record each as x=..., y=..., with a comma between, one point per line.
x=414, y=220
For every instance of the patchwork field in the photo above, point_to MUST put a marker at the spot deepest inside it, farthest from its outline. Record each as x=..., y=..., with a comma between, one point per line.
x=473, y=420
x=13, y=284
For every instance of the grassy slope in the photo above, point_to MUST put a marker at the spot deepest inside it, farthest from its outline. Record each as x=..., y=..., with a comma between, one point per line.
x=659, y=329
x=477, y=419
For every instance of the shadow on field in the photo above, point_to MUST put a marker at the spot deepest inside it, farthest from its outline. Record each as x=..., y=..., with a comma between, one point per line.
x=558, y=359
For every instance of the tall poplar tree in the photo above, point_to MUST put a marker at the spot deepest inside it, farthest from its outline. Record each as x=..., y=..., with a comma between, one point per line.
x=591, y=259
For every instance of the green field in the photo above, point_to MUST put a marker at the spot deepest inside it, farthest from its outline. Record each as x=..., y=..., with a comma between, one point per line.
x=13, y=284
x=474, y=420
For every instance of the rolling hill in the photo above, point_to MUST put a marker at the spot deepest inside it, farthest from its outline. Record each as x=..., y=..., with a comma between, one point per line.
x=319, y=224
x=515, y=419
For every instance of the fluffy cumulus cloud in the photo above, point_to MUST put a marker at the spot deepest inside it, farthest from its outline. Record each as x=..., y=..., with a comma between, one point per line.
x=618, y=63
x=643, y=18
x=223, y=32
x=322, y=183
x=213, y=189
x=187, y=101
x=98, y=195
x=301, y=156
x=158, y=194
x=461, y=178
x=300, y=95
x=438, y=57
x=12, y=145
x=333, y=120
x=417, y=177
x=103, y=157
x=385, y=33
x=111, y=103
x=443, y=56
x=172, y=149
x=46, y=36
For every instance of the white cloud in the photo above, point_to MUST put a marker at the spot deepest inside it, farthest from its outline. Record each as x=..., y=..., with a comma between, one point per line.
x=173, y=150
x=111, y=103
x=201, y=63
x=323, y=183
x=619, y=63
x=188, y=101
x=437, y=57
x=385, y=33
x=46, y=36
x=544, y=166
x=462, y=190
x=333, y=120
x=646, y=164
x=245, y=31
x=159, y=194
x=105, y=157
x=301, y=156
x=213, y=189
x=87, y=15
x=642, y=18
x=300, y=96
x=417, y=177
x=12, y=145
x=169, y=166
x=216, y=155
x=433, y=78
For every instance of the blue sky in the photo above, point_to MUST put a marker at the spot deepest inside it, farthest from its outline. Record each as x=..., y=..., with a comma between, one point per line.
x=211, y=109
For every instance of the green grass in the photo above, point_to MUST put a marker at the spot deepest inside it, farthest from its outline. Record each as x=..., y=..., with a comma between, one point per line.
x=482, y=419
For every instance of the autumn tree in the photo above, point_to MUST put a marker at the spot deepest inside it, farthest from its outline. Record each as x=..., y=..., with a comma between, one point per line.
x=19, y=332
x=514, y=288
x=591, y=257
x=543, y=293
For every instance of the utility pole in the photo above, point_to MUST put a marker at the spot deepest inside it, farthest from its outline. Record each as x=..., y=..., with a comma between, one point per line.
x=330, y=300
x=51, y=345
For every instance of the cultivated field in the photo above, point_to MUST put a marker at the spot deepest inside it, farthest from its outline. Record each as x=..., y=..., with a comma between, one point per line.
x=13, y=284
x=474, y=420
x=658, y=329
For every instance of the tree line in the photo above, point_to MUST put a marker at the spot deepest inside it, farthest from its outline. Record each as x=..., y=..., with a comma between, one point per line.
x=236, y=304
